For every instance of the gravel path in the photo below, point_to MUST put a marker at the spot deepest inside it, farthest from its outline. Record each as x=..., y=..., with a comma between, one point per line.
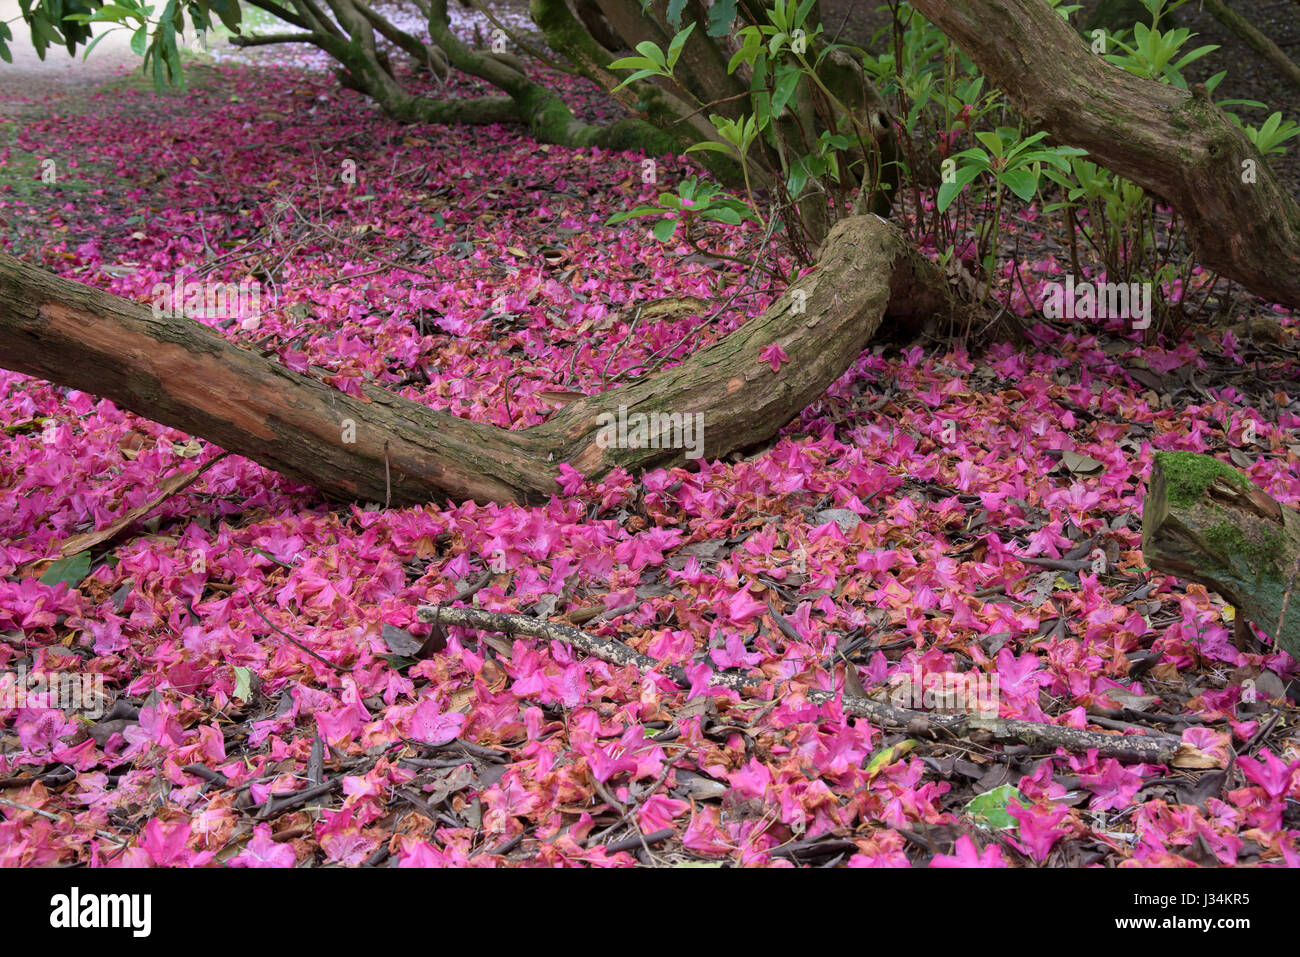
x=25, y=83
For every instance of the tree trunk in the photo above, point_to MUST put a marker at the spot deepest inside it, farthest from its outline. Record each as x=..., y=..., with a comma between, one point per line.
x=568, y=36
x=544, y=111
x=596, y=25
x=1206, y=522
x=1177, y=145
x=384, y=448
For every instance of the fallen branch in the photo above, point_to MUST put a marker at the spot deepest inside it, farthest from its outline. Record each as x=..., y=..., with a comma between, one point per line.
x=1146, y=748
x=381, y=447
x=639, y=840
x=172, y=485
x=824, y=846
x=294, y=641
x=275, y=806
x=49, y=816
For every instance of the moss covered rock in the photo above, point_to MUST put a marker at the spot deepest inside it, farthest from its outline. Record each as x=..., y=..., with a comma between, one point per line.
x=1204, y=521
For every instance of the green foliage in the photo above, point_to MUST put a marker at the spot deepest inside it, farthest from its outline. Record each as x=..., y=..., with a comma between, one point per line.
x=1151, y=53
x=721, y=15
x=1268, y=139
x=737, y=136
x=1009, y=160
x=52, y=23
x=693, y=202
x=990, y=808
x=71, y=570
x=1116, y=218
x=782, y=58
x=957, y=138
x=1118, y=223
x=938, y=95
x=652, y=61
x=1065, y=11
x=980, y=154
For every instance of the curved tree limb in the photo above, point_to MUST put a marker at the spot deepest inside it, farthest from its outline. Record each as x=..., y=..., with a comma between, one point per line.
x=317, y=18
x=276, y=10
x=364, y=71
x=545, y=113
x=384, y=448
x=266, y=39
x=570, y=37
x=424, y=56
x=565, y=33
x=517, y=39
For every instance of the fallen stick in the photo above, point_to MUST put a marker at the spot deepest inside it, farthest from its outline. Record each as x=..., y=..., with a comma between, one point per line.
x=1146, y=748
x=278, y=805
x=637, y=840
x=49, y=816
x=172, y=485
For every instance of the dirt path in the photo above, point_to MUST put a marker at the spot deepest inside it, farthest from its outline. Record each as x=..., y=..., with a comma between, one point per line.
x=25, y=83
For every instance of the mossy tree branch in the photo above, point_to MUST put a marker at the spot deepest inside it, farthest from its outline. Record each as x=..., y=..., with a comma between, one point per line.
x=547, y=115
x=424, y=56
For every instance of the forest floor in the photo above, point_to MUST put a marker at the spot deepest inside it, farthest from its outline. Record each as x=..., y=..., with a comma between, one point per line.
x=274, y=699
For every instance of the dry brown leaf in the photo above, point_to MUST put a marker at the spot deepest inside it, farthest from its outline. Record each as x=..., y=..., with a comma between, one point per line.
x=560, y=397
x=674, y=307
x=462, y=700
x=1188, y=756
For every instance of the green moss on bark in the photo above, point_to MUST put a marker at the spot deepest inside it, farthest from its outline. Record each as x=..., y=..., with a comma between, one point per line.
x=1262, y=555
x=1189, y=474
